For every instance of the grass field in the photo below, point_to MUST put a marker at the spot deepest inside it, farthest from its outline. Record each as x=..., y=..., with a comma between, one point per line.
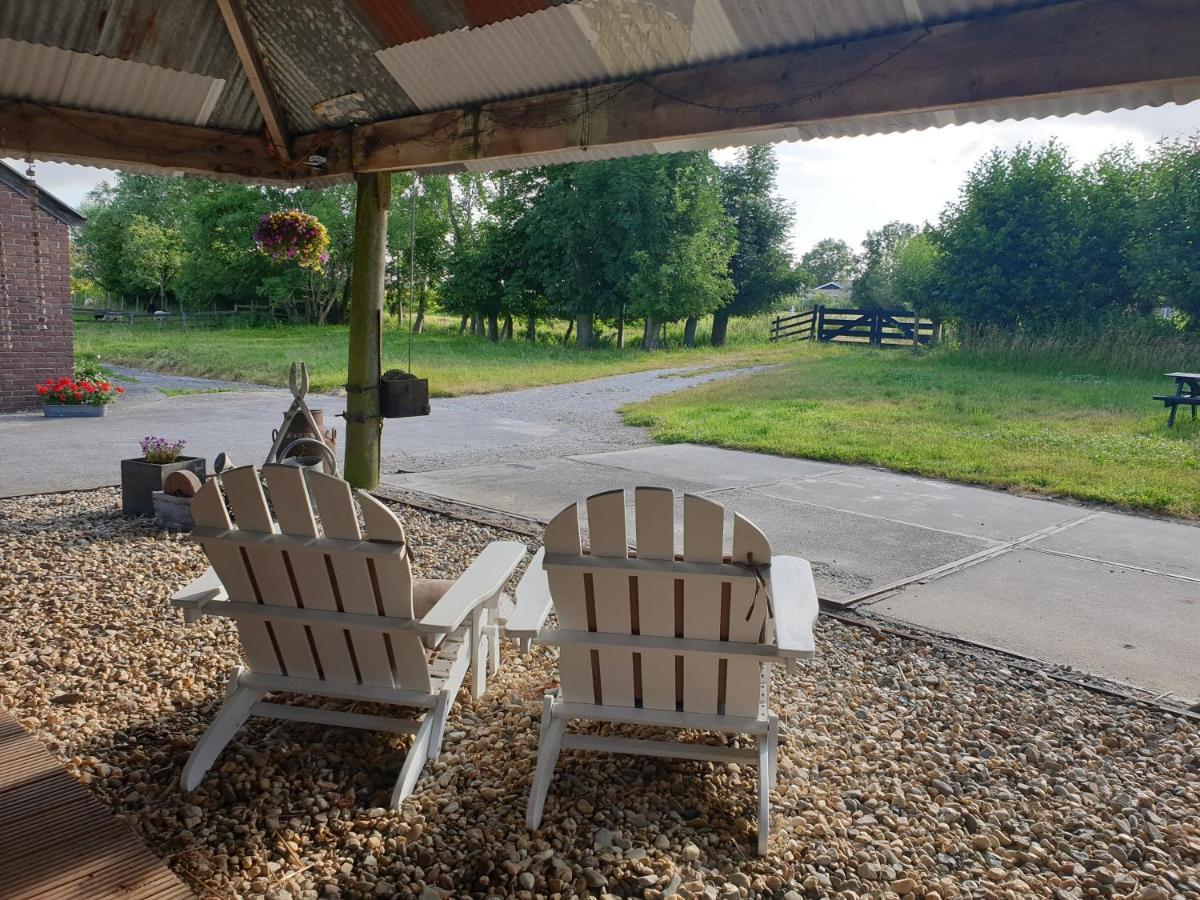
x=454, y=365
x=986, y=418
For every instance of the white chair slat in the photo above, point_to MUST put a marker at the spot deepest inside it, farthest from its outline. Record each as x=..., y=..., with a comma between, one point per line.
x=749, y=606
x=381, y=522
x=613, y=614
x=575, y=674
x=606, y=524
x=267, y=566
x=246, y=499
x=703, y=529
x=208, y=510
x=335, y=505
x=654, y=522
x=354, y=585
x=316, y=592
x=208, y=507
x=570, y=604
x=703, y=541
x=562, y=533
x=656, y=614
x=289, y=497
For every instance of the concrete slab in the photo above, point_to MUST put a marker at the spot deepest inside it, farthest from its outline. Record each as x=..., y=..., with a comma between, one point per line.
x=850, y=553
x=1119, y=623
x=957, y=508
x=713, y=466
x=1169, y=547
x=538, y=489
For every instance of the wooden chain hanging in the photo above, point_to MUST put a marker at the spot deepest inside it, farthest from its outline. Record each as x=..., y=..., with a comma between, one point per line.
x=36, y=232
x=6, y=310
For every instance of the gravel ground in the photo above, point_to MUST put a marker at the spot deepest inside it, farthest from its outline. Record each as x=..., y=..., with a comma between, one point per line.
x=905, y=770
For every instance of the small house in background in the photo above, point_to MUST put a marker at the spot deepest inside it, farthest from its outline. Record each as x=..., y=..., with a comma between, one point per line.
x=830, y=293
x=36, y=341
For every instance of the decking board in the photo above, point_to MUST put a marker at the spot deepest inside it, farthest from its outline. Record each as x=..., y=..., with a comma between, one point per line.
x=73, y=846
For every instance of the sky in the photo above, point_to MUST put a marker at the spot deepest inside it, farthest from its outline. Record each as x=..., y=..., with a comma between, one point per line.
x=843, y=187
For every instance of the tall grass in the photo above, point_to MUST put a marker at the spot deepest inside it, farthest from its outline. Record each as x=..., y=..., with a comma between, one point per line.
x=1115, y=346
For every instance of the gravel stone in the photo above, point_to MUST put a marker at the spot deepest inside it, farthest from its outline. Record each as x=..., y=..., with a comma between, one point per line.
x=966, y=779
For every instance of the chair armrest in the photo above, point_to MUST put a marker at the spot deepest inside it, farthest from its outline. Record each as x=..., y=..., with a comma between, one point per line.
x=484, y=579
x=533, y=601
x=794, y=601
x=205, y=589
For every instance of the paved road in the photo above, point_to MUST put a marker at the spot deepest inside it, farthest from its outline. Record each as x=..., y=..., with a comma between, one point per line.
x=1108, y=594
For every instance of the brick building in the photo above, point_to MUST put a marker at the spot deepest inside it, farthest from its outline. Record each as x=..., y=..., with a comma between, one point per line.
x=35, y=332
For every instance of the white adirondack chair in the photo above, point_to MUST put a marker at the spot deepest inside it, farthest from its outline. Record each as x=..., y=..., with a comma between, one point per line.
x=652, y=638
x=333, y=612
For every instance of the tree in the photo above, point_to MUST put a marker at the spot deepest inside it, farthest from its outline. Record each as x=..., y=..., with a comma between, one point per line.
x=830, y=260
x=429, y=251
x=761, y=266
x=873, y=287
x=684, y=243
x=1014, y=245
x=914, y=279
x=1162, y=250
x=156, y=254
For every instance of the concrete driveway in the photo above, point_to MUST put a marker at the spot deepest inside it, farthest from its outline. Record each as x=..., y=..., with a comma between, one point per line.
x=1110, y=595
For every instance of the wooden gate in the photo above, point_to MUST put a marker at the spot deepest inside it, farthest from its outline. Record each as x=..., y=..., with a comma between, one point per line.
x=878, y=327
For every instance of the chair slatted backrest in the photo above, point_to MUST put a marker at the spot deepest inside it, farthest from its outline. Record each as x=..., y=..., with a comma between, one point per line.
x=330, y=566
x=699, y=596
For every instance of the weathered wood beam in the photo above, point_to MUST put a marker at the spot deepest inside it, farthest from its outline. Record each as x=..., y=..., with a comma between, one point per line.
x=238, y=26
x=1082, y=46
x=363, y=424
x=102, y=139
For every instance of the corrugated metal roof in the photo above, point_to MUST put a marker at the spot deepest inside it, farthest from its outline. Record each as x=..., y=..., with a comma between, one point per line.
x=82, y=81
x=172, y=35
x=173, y=60
x=591, y=42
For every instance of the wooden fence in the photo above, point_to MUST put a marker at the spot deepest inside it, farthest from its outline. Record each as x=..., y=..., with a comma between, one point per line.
x=878, y=327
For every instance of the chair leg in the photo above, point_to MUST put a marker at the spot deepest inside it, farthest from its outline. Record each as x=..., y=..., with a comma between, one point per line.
x=764, y=791
x=494, y=651
x=441, y=712
x=479, y=652
x=773, y=748
x=549, y=744
x=229, y=720
x=415, y=760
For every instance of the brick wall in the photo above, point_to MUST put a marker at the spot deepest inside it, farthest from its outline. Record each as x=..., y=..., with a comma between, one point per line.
x=35, y=341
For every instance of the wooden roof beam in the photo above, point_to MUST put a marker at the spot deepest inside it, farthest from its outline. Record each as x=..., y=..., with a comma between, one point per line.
x=237, y=23
x=102, y=139
x=1078, y=46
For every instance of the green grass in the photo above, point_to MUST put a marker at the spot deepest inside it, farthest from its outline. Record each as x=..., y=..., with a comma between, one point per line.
x=453, y=364
x=957, y=415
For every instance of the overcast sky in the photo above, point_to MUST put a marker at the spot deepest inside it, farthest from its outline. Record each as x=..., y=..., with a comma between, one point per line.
x=844, y=186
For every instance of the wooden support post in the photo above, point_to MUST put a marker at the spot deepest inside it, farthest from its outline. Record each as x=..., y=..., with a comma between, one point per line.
x=363, y=425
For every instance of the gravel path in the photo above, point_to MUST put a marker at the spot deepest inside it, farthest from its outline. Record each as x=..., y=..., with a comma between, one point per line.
x=906, y=771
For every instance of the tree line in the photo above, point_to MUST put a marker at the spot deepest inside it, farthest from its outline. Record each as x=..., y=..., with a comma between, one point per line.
x=1034, y=241
x=608, y=246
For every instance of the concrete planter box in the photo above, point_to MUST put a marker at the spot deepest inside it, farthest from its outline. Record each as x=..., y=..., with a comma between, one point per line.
x=140, y=479
x=173, y=512
x=73, y=411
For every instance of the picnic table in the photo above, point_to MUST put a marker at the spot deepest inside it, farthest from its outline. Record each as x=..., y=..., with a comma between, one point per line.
x=1187, y=393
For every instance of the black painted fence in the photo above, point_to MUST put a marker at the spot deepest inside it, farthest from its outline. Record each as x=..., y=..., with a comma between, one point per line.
x=877, y=327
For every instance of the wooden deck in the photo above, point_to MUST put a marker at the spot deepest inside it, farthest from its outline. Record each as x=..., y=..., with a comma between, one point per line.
x=59, y=842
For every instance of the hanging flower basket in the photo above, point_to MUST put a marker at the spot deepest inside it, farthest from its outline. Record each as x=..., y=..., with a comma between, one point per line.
x=293, y=236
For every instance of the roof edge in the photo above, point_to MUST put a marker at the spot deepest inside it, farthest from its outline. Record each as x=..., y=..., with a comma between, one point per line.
x=47, y=202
